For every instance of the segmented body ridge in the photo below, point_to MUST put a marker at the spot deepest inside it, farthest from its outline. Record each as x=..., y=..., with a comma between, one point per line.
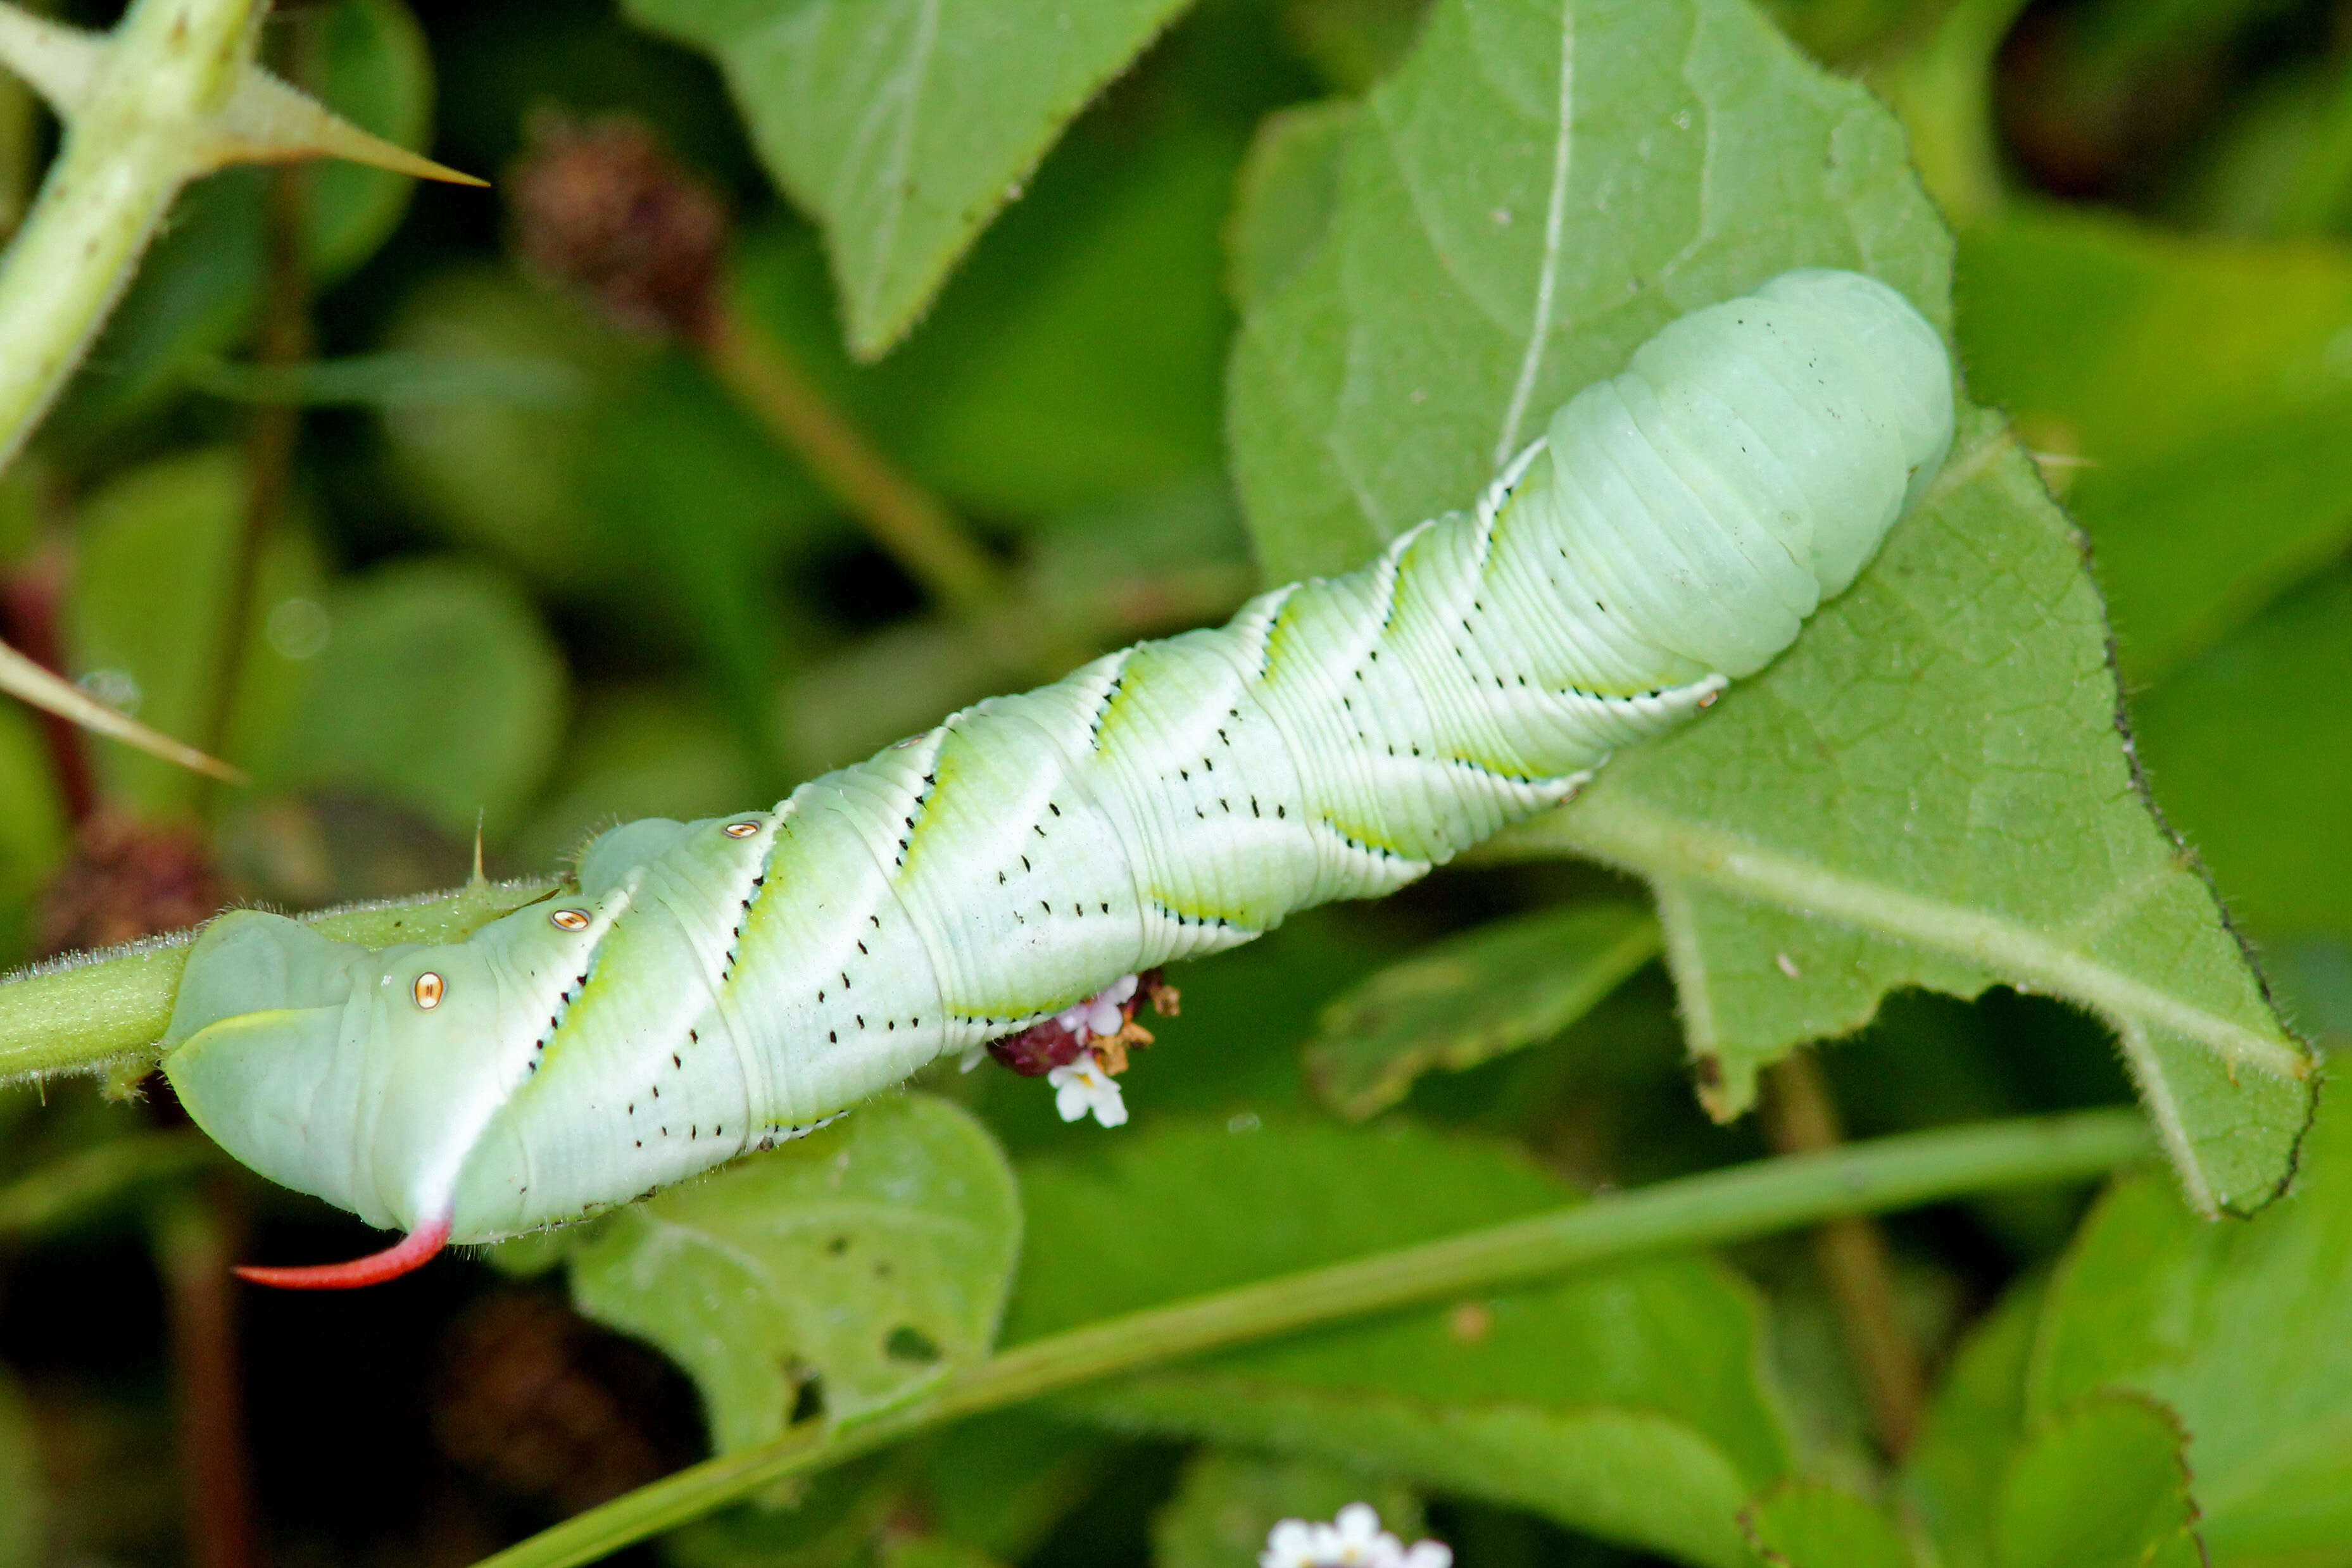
x=733, y=982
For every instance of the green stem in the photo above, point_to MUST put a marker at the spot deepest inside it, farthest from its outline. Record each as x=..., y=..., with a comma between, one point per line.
x=131, y=143
x=94, y=1012
x=1721, y=1206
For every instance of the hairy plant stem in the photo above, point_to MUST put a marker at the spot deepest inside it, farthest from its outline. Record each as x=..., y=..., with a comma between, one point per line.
x=1800, y=1117
x=129, y=146
x=93, y=1013
x=1720, y=1206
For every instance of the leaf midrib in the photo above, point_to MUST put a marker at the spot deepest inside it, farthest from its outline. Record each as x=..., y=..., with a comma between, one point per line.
x=1657, y=845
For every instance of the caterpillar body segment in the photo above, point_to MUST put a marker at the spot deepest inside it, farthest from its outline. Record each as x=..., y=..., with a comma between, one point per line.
x=702, y=989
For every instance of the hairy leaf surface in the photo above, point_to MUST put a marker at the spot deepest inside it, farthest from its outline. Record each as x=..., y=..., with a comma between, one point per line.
x=1929, y=789
x=902, y=126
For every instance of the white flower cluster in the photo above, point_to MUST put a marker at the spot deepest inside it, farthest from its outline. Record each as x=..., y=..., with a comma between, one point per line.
x=1102, y=1013
x=1086, y=1084
x=1354, y=1540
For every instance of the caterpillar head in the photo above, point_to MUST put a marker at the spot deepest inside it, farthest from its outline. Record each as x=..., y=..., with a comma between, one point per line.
x=364, y=1077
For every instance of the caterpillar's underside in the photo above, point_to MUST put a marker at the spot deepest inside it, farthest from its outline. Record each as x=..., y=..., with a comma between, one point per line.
x=707, y=987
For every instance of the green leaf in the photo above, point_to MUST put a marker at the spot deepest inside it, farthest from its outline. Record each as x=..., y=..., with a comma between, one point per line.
x=1954, y=1475
x=2275, y=691
x=871, y=1260
x=1625, y=1402
x=2245, y=1330
x=1229, y=1501
x=829, y=1521
x=902, y=126
x=1471, y=998
x=1406, y=360
x=2202, y=386
x=1037, y=385
x=1928, y=789
x=1002, y=1481
x=2102, y=1485
x=584, y=493
x=21, y=1481
x=375, y=69
x=1284, y=202
x=435, y=688
x=1811, y=1525
x=2103, y=1482
x=146, y=627
x=1352, y=43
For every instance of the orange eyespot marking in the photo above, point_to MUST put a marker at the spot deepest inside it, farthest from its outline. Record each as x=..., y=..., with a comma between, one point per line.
x=427, y=990
x=741, y=830
x=569, y=920
x=1708, y=700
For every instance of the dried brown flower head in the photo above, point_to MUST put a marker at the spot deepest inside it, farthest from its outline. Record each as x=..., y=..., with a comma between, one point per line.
x=127, y=879
x=600, y=208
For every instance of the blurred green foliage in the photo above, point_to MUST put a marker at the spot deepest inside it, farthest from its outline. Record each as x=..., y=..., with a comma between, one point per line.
x=1161, y=303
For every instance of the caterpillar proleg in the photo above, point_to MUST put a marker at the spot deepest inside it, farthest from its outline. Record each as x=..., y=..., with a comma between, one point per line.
x=703, y=989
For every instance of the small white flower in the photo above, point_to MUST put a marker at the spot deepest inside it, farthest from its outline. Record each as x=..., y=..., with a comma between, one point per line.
x=1354, y=1540
x=1084, y=1086
x=1100, y=1014
x=1290, y=1545
x=1356, y=1537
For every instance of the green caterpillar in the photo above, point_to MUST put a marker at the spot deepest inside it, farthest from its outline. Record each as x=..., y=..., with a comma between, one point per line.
x=703, y=989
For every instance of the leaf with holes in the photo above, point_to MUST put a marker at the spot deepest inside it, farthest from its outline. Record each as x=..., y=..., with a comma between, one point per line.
x=1929, y=789
x=845, y=1272
x=1472, y=998
x=902, y=126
